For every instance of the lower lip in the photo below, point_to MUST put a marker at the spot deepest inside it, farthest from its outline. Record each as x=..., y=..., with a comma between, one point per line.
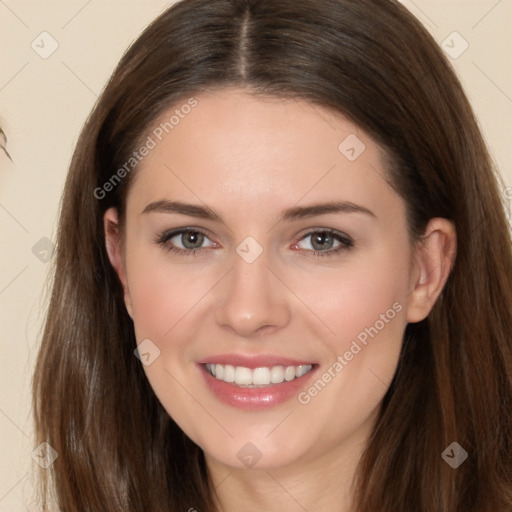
x=255, y=398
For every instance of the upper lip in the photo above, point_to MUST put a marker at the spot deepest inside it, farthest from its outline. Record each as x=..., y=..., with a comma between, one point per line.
x=254, y=361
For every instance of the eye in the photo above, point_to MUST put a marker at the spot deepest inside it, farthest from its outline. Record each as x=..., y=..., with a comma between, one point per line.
x=323, y=242
x=187, y=241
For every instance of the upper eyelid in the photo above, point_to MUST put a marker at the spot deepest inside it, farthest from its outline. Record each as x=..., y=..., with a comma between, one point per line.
x=171, y=233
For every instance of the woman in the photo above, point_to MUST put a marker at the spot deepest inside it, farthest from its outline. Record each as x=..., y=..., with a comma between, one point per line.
x=257, y=370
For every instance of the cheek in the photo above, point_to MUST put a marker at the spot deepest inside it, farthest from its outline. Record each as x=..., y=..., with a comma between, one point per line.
x=164, y=298
x=161, y=294
x=354, y=301
x=363, y=315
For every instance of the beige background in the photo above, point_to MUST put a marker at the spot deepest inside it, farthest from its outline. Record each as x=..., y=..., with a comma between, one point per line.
x=43, y=103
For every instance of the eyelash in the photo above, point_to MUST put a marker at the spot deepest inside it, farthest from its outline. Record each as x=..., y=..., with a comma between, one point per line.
x=346, y=243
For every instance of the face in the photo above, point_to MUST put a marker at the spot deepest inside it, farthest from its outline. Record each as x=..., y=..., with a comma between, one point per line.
x=286, y=267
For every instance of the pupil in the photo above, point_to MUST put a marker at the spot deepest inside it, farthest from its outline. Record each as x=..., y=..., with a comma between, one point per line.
x=193, y=237
x=321, y=239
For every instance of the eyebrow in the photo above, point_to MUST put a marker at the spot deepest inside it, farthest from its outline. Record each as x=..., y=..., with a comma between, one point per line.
x=293, y=213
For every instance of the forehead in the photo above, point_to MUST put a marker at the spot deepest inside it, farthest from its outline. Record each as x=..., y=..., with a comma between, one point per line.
x=236, y=149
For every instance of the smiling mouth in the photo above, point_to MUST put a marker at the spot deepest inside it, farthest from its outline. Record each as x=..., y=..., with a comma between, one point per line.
x=256, y=377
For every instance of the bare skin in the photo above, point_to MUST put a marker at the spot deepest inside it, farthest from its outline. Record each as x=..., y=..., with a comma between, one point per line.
x=248, y=159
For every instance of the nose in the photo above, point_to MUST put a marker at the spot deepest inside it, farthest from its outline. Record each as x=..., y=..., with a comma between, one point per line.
x=253, y=300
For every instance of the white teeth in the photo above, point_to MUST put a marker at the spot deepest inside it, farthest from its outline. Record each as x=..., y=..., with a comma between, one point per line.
x=261, y=376
x=257, y=377
x=277, y=375
x=302, y=370
x=289, y=373
x=242, y=375
x=229, y=373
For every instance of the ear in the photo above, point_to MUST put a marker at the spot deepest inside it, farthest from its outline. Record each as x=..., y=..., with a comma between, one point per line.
x=434, y=258
x=115, y=254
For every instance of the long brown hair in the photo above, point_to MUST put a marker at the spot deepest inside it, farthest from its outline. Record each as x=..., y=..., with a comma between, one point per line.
x=372, y=61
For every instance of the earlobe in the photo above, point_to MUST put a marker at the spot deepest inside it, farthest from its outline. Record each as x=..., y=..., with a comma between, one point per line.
x=114, y=251
x=434, y=258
